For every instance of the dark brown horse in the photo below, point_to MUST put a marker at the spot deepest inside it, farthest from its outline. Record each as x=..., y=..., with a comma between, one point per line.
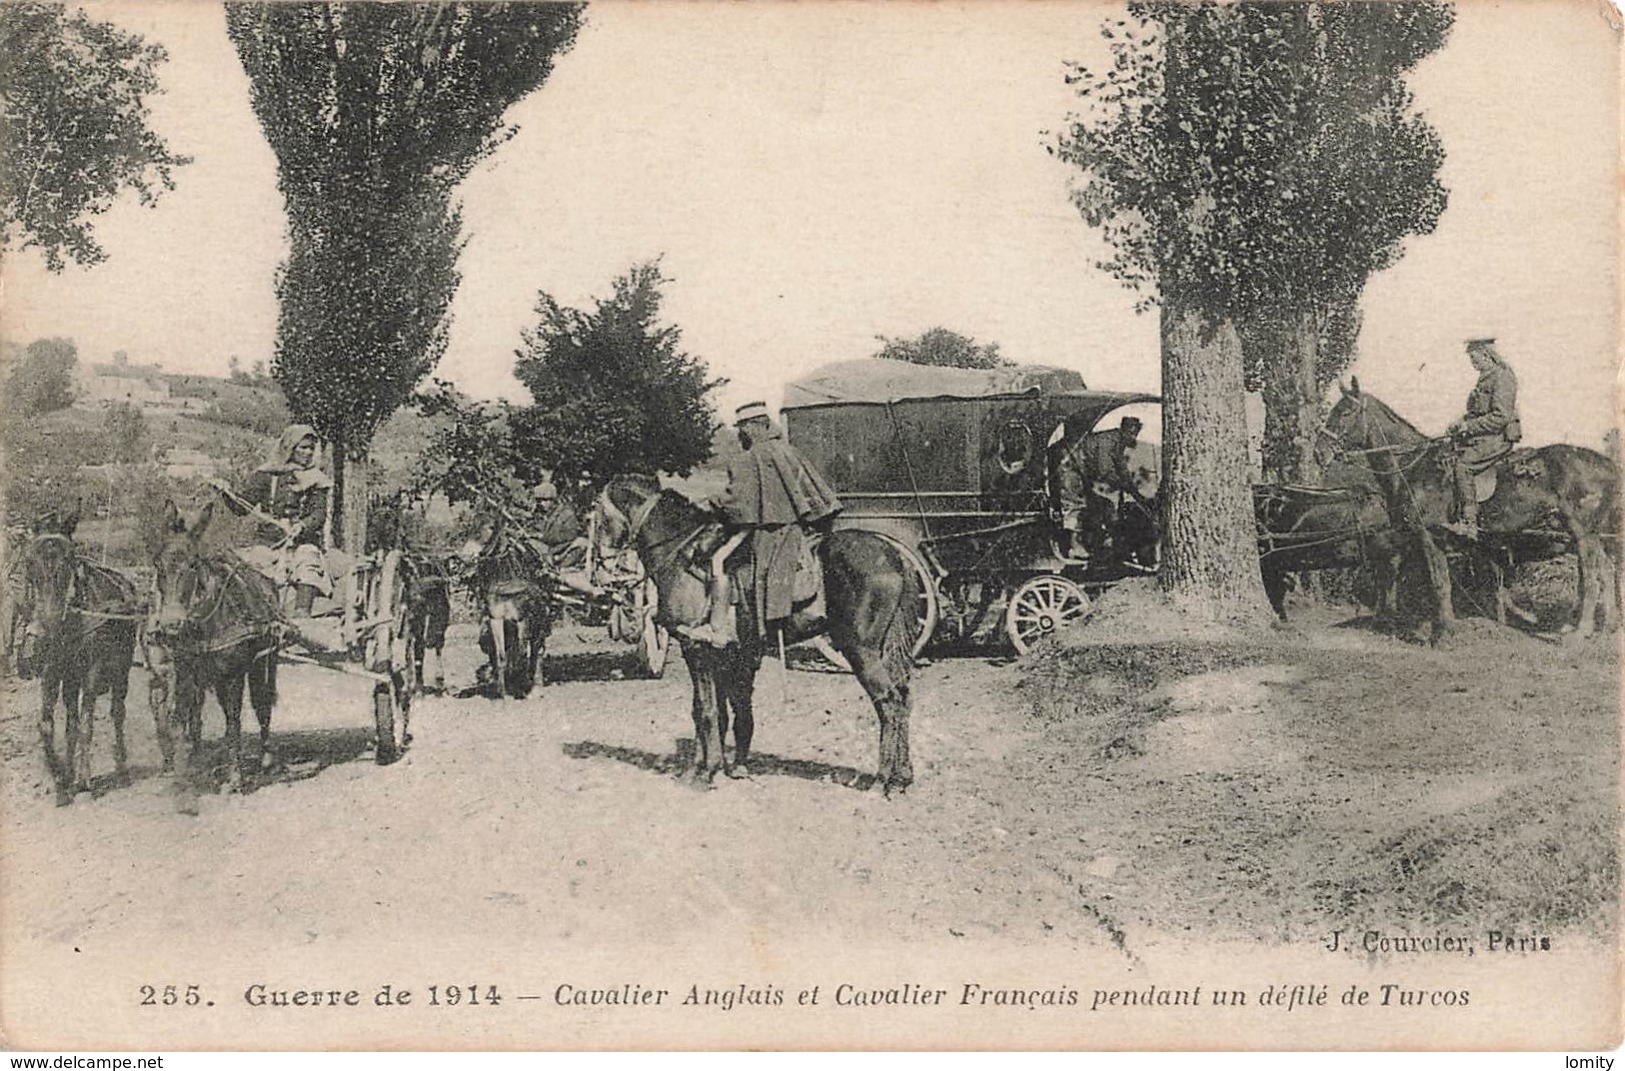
x=83, y=620
x=868, y=591
x=1549, y=500
x=1309, y=529
x=216, y=626
x=513, y=587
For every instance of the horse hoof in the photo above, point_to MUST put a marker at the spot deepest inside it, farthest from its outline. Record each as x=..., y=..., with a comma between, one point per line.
x=739, y=772
x=63, y=797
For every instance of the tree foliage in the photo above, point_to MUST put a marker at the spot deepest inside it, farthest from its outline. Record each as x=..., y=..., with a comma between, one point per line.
x=376, y=112
x=42, y=381
x=74, y=123
x=473, y=455
x=126, y=430
x=941, y=347
x=613, y=391
x=1261, y=161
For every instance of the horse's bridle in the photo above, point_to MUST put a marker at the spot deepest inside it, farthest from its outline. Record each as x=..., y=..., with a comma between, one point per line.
x=634, y=527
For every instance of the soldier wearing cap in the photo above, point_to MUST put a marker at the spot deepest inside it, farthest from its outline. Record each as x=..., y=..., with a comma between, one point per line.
x=1092, y=468
x=1488, y=431
x=774, y=496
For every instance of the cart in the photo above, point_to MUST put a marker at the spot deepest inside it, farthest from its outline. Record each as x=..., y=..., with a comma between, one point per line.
x=955, y=468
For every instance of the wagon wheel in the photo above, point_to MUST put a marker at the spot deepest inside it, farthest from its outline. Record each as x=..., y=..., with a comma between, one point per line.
x=1040, y=606
x=384, y=652
x=654, y=642
x=928, y=607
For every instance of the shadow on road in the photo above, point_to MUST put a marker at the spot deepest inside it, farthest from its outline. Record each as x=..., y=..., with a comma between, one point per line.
x=295, y=756
x=761, y=764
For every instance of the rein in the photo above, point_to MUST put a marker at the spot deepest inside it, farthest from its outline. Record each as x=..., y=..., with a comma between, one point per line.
x=658, y=552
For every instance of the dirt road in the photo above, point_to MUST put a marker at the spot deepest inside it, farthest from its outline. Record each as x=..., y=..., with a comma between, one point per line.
x=1088, y=801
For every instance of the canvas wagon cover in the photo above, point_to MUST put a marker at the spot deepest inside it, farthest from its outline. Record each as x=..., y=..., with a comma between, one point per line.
x=890, y=435
x=877, y=381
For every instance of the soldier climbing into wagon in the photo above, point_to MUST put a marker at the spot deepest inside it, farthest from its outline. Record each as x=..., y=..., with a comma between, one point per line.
x=1091, y=469
x=775, y=498
x=1488, y=431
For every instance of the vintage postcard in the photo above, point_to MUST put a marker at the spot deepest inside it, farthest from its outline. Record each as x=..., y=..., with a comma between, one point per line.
x=1061, y=525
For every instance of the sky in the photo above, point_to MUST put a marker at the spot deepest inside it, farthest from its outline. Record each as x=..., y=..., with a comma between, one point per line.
x=813, y=175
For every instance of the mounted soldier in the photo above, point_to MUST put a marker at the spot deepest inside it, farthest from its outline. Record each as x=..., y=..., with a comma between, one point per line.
x=775, y=498
x=288, y=497
x=1092, y=469
x=1488, y=431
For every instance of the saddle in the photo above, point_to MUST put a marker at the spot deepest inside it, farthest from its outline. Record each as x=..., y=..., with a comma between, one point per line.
x=806, y=588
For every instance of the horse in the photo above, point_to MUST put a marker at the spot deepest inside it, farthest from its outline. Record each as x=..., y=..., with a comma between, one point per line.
x=1548, y=501
x=869, y=592
x=217, y=624
x=1308, y=529
x=83, y=618
x=512, y=585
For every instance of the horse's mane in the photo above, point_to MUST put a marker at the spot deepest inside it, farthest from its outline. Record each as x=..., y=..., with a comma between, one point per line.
x=101, y=588
x=1387, y=412
x=246, y=595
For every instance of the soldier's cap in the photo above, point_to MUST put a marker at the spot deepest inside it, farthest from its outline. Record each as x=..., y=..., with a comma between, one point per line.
x=1133, y=422
x=1476, y=343
x=750, y=411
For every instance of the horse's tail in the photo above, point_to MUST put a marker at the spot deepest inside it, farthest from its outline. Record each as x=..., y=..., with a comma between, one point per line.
x=903, y=631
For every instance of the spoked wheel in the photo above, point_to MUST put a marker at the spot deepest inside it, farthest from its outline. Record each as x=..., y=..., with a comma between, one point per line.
x=385, y=652
x=654, y=642
x=1040, y=606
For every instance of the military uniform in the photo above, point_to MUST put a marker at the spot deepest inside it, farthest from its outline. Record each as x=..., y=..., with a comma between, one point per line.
x=1488, y=431
x=1100, y=458
x=774, y=496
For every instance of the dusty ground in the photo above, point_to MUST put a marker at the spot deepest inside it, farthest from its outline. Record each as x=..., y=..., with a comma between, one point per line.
x=1093, y=797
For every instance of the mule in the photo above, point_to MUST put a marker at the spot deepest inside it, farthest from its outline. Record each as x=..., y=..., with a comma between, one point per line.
x=216, y=625
x=513, y=591
x=1547, y=501
x=428, y=615
x=869, y=593
x=427, y=589
x=84, y=619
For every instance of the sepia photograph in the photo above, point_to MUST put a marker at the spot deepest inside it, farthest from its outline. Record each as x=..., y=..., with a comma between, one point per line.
x=827, y=525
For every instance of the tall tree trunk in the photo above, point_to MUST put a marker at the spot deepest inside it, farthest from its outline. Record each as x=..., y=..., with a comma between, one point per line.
x=1210, y=543
x=357, y=486
x=335, y=517
x=1291, y=392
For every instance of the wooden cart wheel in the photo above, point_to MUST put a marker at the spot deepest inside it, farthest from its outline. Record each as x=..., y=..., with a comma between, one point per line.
x=928, y=607
x=1040, y=606
x=654, y=642
x=385, y=652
